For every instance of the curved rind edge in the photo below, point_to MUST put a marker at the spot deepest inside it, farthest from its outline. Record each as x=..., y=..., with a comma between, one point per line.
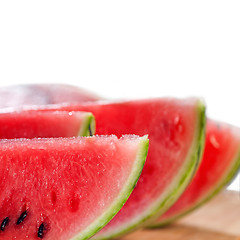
x=88, y=125
x=233, y=171
x=201, y=140
x=194, y=161
x=123, y=195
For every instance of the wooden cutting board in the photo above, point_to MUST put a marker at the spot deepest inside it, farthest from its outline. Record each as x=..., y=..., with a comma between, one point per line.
x=217, y=220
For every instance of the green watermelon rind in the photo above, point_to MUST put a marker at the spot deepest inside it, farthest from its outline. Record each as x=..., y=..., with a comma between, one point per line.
x=87, y=125
x=229, y=176
x=193, y=161
x=106, y=217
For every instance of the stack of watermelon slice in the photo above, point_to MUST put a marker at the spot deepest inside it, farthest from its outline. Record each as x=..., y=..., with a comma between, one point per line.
x=58, y=181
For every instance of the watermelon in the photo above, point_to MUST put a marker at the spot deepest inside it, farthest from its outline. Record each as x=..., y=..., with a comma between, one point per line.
x=65, y=188
x=30, y=124
x=42, y=94
x=221, y=161
x=176, y=133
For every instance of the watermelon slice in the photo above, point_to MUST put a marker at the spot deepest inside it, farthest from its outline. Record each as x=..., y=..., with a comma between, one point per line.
x=30, y=124
x=65, y=188
x=176, y=134
x=42, y=94
x=220, y=163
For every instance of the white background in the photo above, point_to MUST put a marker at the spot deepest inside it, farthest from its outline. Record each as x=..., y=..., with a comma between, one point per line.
x=127, y=49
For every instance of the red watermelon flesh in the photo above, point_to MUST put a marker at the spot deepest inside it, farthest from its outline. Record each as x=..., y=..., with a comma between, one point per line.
x=30, y=124
x=220, y=163
x=42, y=94
x=65, y=188
x=176, y=133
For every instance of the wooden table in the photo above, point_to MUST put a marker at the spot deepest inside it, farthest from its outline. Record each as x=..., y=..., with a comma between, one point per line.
x=217, y=220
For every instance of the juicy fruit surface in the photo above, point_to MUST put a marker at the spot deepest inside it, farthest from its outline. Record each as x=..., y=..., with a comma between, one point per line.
x=42, y=94
x=31, y=124
x=172, y=126
x=62, y=188
x=221, y=156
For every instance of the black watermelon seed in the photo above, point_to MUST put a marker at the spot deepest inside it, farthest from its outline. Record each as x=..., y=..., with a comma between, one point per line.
x=90, y=131
x=4, y=223
x=22, y=217
x=40, y=231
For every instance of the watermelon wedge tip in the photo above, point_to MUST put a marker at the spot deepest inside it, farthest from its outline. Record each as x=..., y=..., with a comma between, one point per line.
x=219, y=165
x=32, y=124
